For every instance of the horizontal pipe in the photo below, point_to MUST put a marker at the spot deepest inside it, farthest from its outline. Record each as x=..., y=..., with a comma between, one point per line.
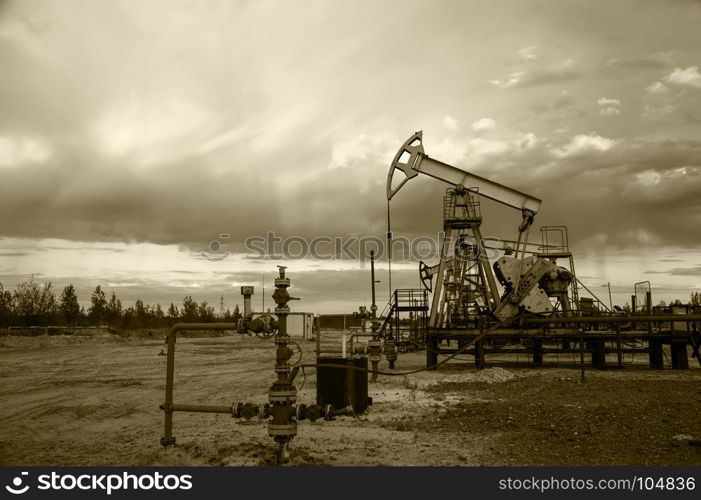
x=540, y=334
x=201, y=408
x=644, y=318
x=471, y=352
x=608, y=350
x=227, y=409
x=178, y=327
x=510, y=351
x=168, y=406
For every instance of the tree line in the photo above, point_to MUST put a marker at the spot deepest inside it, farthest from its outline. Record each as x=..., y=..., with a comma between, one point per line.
x=694, y=300
x=37, y=304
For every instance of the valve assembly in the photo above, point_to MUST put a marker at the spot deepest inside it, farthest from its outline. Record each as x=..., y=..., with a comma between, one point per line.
x=282, y=408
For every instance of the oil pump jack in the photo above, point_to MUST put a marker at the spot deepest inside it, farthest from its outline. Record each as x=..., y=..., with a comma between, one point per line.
x=465, y=293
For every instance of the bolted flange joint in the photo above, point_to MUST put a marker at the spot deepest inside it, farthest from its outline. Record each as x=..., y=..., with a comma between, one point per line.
x=390, y=352
x=374, y=350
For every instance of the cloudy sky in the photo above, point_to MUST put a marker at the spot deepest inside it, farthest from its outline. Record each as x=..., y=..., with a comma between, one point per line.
x=133, y=134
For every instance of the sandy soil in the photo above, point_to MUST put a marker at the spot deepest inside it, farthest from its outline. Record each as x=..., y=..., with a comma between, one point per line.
x=93, y=400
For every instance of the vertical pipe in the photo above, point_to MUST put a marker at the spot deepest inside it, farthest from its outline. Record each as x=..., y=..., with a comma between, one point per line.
x=246, y=306
x=581, y=353
x=537, y=351
x=633, y=307
x=374, y=346
x=431, y=352
x=680, y=355
x=168, y=438
x=598, y=355
x=479, y=354
x=247, y=292
x=396, y=317
x=389, y=252
x=566, y=311
x=648, y=300
x=619, y=353
x=282, y=394
x=343, y=346
x=373, y=309
x=656, y=353
x=318, y=341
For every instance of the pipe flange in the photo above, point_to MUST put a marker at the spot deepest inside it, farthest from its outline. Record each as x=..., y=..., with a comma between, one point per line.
x=300, y=413
x=283, y=399
x=291, y=392
x=289, y=429
x=328, y=412
x=282, y=339
x=283, y=395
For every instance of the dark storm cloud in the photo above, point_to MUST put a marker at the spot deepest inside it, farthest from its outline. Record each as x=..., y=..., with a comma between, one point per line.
x=680, y=271
x=636, y=192
x=686, y=271
x=650, y=185
x=231, y=119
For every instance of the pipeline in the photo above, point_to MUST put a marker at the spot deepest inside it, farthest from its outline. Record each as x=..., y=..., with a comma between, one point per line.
x=263, y=411
x=281, y=407
x=168, y=406
x=632, y=318
x=459, y=351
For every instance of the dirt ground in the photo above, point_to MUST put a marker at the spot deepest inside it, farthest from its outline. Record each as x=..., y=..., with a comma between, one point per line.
x=93, y=400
